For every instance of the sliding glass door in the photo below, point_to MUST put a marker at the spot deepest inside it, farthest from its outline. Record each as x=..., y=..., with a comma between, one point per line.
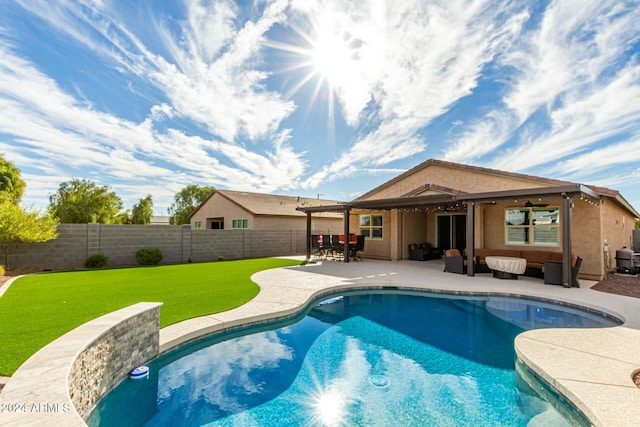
x=452, y=232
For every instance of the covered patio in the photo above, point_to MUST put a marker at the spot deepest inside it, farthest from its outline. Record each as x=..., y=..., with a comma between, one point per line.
x=468, y=204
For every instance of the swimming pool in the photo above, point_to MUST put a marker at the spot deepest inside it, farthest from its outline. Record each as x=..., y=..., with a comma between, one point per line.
x=383, y=358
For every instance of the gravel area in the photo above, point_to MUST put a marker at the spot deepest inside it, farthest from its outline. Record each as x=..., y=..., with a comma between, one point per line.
x=621, y=284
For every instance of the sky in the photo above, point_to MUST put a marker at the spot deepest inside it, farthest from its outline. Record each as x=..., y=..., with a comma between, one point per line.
x=323, y=98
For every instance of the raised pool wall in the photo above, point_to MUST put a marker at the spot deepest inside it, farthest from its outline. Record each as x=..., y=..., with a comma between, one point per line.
x=61, y=383
x=106, y=361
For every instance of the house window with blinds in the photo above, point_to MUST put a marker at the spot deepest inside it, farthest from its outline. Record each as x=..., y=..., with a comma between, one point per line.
x=371, y=226
x=240, y=223
x=532, y=226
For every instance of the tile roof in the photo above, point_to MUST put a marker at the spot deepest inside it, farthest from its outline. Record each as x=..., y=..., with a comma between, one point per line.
x=461, y=166
x=606, y=192
x=272, y=204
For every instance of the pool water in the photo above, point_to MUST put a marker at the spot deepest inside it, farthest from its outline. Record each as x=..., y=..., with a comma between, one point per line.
x=355, y=360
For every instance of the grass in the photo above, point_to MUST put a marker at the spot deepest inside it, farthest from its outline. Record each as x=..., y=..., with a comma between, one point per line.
x=39, y=308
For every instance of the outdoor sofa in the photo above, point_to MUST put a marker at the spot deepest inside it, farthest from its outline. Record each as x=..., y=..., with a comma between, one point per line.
x=541, y=264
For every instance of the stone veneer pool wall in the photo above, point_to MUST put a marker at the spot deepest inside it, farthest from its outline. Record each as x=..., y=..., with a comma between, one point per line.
x=60, y=384
x=111, y=357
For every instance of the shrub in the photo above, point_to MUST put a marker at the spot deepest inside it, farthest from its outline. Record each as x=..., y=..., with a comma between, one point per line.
x=149, y=256
x=96, y=261
x=220, y=258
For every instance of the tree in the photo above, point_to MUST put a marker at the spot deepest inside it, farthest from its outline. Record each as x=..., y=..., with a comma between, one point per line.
x=186, y=200
x=81, y=201
x=142, y=211
x=18, y=225
x=123, y=217
x=11, y=185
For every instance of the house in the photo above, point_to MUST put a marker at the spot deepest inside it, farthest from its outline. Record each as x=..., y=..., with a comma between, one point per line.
x=452, y=205
x=225, y=209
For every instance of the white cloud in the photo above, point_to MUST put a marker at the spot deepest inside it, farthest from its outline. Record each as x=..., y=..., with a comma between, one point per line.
x=210, y=76
x=610, y=157
x=420, y=58
x=58, y=135
x=568, y=89
x=587, y=118
x=571, y=69
x=483, y=136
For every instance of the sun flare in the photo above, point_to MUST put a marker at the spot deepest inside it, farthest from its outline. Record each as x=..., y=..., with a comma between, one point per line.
x=329, y=408
x=331, y=56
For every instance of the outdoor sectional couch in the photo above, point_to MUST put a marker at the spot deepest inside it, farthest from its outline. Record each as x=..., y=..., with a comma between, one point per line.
x=536, y=261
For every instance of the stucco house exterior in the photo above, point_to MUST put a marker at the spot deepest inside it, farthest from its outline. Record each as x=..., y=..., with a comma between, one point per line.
x=226, y=210
x=466, y=207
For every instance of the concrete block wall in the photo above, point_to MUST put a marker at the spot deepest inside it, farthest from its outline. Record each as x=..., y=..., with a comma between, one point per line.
x=68, y=250
x=208, y=245
x=265, y=243
x=177, y=243
x=120, y=242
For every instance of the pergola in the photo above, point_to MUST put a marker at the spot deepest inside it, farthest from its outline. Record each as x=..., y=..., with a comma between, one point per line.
x=565, y=192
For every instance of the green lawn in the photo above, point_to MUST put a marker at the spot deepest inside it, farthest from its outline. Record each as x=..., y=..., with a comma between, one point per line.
x=39, y=308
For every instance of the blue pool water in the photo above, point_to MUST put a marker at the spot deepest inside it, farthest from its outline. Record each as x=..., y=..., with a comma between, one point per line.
x=384, y=359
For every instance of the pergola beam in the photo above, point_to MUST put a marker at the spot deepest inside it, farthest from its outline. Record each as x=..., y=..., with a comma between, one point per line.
x=471, y=223
x=408, y=202
x=567, y=211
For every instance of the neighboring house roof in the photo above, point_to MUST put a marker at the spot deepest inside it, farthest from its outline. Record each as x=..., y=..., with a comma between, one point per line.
x=432, y=188
x=271, y=204
x=160, y=220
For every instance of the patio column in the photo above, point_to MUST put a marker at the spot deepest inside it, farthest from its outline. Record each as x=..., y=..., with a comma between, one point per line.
x=567, y=211
x=346, y=235
x=471, y=232
x=308, y=240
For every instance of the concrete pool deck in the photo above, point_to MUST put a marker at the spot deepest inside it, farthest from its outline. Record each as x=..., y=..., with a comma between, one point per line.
x=592, y=367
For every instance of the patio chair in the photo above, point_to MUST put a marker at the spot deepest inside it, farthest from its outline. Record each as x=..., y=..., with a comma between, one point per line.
x=336, y=250
x=326, y=245
x=359, y=246
x=316, y=250
x=454, y=262
x=354, y=250
x=553, y=272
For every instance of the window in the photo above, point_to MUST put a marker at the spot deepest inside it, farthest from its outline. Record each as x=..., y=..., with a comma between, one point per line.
x=536, y=226
x=198, y=225
x=371, y=226
x=240, y=223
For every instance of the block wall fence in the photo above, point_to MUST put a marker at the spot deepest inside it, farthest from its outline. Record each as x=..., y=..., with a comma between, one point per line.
x=178, y=244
